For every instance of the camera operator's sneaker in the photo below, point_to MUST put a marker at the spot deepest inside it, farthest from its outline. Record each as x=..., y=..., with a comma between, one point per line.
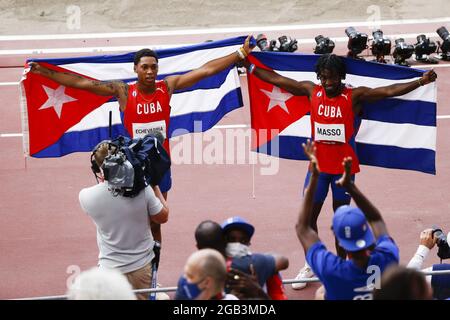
x=304, y=273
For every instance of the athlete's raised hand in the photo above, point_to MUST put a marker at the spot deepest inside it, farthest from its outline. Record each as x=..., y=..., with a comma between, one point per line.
x=248, y=45
x=427, y=77
x=35, y=67
x=346, y=178
x=310, y=151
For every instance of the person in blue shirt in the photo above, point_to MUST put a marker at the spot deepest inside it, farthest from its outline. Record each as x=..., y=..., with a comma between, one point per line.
x=369, y=249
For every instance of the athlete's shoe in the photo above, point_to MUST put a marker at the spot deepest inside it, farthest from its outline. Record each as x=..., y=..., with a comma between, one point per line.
x=304, y=273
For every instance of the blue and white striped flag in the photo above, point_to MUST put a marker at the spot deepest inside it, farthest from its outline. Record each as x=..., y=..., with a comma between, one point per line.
x=396, y=133
x=79, y=122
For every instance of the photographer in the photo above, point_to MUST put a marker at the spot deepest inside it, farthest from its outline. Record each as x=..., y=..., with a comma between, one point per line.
x=123, y=234
x=439, y=283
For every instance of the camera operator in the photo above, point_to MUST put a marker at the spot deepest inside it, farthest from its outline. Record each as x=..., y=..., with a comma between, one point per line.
x=123, y=234
x=439, y=283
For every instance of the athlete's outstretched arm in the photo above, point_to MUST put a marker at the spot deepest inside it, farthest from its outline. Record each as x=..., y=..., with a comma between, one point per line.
x=297, y=88
x=372, y=214
x=368, y=94
x=305, y=233
x=208, y=69
x=118, y=89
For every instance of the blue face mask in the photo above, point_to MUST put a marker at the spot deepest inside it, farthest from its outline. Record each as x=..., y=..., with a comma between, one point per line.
x=191, y=290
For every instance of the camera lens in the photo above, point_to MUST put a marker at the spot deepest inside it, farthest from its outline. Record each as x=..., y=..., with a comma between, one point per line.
x=380, y=45
x=319, y=38
x=443, y=33
x=399, y=41
x=377, y=35
x=324, y=45
x=293, y=45
x=350, y=32
x=284, y=43
x=421, y=38
x=274, y=45
x=441, y=239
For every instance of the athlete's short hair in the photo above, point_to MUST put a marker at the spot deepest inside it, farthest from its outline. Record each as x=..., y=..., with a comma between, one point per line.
x=101, y=284
x=144, y=53
x=331, y=62
x=209, y=234
x=210, y=263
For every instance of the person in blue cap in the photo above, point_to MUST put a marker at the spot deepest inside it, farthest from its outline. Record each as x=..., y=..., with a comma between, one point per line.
x=266, y=267
x=360, y=231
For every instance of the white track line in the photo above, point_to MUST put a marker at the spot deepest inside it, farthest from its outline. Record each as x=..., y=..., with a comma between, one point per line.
x=10, y=135
x=9, y=84
x=222, y=30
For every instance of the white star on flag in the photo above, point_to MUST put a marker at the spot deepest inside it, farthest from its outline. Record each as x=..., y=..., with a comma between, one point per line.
x=277, y=98
x=56, y=99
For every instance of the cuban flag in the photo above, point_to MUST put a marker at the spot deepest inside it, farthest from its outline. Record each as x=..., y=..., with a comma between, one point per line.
x=58, y=120
x=395, y=133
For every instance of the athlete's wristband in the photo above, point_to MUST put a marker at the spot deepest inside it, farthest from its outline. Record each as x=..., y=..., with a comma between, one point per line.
x=241, y=53
x=420, y=82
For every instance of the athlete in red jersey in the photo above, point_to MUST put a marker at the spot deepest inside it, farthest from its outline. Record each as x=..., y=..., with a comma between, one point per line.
x=149, y=100
x=148, y=113
x=334, y=111
x=332, y=129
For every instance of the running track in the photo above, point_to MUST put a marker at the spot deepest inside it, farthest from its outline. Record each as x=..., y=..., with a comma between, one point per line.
x=43, y=232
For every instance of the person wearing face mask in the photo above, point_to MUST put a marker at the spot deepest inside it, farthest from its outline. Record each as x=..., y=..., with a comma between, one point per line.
x=266, y=267
x=209, y=235
x=204, y=278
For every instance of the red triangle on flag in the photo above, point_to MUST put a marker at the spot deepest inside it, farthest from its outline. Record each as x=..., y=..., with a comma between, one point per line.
x=53, y=109
x=272, y=109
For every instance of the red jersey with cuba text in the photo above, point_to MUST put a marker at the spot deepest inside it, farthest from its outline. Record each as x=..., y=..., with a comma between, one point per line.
x=148, y=113
x=332, y=129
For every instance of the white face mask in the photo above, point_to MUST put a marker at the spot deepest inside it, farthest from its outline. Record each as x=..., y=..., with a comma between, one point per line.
x=237, y=250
